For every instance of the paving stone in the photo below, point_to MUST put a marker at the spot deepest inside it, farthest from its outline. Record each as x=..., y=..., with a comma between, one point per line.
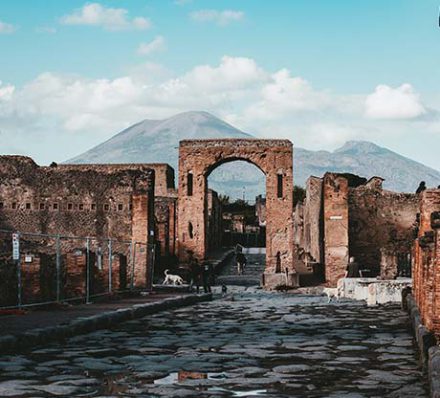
x=282, y=344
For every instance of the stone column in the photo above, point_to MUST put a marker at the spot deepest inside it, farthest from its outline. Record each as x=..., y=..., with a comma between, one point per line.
x=335, y=193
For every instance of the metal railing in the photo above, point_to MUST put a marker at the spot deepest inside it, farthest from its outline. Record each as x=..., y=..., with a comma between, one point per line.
x=57, y=268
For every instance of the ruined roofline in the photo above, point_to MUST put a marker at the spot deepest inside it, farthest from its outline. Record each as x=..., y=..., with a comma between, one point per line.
x=314, y=177
x=17, y=158
x=97, y=166
x=18, y=165
x=237, y=141
x=112, y=165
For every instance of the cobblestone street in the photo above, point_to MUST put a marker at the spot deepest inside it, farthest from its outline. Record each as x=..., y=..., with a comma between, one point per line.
x=248, y=344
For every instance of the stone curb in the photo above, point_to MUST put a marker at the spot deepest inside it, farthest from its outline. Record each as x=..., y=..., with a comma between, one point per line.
x=427, y=344
x=14, y=343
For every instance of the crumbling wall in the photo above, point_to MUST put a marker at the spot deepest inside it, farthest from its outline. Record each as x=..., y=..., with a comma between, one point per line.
x=165, y=213
x=114, y=202
x=380, y=227
x=335, y=205
x=426, y=274
x=215, y=224
x=198, y=158
x=313, y=224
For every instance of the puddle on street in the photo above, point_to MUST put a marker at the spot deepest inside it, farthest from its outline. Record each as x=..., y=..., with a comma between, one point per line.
x=179, y=377
x=252, y=393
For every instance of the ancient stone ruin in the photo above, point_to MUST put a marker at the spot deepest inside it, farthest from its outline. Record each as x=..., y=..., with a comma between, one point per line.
x=341, y=216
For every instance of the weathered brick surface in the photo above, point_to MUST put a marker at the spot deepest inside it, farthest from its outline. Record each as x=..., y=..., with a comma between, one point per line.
x=380, y=223
x=215, y=227
x=335, y=193
x=344, y=215
x=426, y=270
x=198, y=158
x=313, y=225
x=103, y=201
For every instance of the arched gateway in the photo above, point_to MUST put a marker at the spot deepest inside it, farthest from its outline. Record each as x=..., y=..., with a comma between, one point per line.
x=198, y=158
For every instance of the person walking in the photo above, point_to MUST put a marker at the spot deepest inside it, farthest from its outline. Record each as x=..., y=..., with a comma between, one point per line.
x=352, y=270
x=194, y=269
x=241, y=263
x=206, y=277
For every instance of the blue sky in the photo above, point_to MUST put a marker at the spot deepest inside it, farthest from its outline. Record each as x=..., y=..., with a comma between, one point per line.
x=316, y=71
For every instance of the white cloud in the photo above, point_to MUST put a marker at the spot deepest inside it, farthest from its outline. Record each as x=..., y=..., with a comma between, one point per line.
x=272, y=104
x=7, y=28
x=95, y=14
x=232, y=74
x=6, y=92
x=394, y=103
x=157, y=44
x=221, y=18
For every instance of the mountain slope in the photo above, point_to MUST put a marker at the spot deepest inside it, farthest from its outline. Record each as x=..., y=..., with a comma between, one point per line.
x=157, y=141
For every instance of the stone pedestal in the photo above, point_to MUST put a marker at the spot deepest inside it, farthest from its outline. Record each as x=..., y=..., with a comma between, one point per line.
x=272, y=280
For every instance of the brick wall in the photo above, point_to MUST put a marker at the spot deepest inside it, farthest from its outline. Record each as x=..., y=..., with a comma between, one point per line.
x=426, y=270
x=114, y=202
x=345, y=215
x=197, y=158
x=380, y=227
x=335, y=196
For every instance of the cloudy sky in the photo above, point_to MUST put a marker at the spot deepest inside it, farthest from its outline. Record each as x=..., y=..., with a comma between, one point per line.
x=318, y=72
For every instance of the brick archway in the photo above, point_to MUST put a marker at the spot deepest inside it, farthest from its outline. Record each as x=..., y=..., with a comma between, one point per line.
x=198, y=158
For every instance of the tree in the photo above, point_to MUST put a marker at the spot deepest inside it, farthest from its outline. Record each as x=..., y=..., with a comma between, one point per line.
x=299, y=194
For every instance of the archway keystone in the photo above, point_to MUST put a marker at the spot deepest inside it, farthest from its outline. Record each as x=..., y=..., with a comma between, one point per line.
x=198, y=158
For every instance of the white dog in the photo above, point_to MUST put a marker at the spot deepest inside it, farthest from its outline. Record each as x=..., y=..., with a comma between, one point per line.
x=336, y=292
x=172, y=279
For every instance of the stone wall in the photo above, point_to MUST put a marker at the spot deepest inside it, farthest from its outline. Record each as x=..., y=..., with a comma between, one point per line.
x=313, y=211
x=426, y=274
x=114, y=202
x=380, y=227
x=198, y=158
x=344, y=215
x=215, y=220
x=166, y=225
x=260, y=210
x=335, y=213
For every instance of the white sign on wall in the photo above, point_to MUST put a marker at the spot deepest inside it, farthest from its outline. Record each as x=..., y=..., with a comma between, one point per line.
x=15, y=247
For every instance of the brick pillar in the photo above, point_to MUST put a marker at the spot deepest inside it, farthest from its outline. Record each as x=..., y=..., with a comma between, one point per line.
x=335, y=194
x=426, y=272
x=435, y=224
x=143, y=230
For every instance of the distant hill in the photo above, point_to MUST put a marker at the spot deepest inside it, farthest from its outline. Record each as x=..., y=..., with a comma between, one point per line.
x=152, y=141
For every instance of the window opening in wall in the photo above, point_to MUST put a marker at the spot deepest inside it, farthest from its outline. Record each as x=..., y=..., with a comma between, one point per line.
x=55, y=206
x=280, y=185
x=190, y=230
x=106, y=207
x=2, y=205
x=28, y=206
x=14, y=205
x=120, y=207
x=189, y=184
x=278, y=263
x=42, y=206
x=93, y=206
x=69, y=206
